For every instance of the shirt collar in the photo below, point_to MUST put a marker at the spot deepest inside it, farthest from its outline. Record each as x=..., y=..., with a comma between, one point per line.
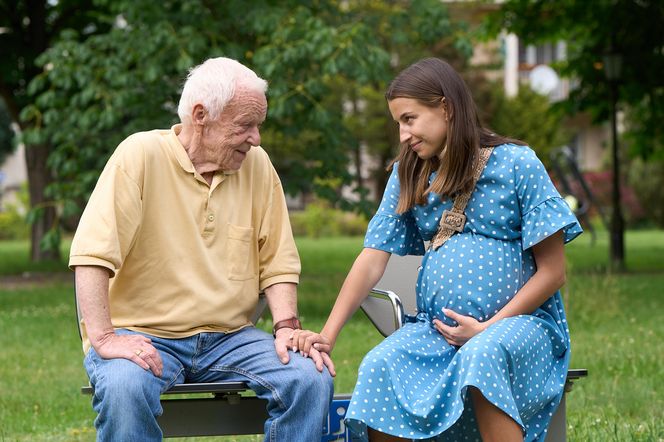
x=181, y=154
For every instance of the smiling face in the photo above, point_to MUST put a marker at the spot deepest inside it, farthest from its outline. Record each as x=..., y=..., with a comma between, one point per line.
x=422, y=128
x=226, y=140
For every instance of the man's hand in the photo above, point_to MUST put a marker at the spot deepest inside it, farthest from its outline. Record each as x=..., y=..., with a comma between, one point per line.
x=136, y=348
x=281, y=344
x=284, y=341
x=467, y=328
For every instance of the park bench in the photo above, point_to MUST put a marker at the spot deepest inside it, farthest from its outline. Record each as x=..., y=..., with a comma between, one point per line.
x=228, y=408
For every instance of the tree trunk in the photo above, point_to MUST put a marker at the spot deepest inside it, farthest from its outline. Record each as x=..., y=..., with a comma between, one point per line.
x=357, y=149
x=39, y=176
x=381, y=175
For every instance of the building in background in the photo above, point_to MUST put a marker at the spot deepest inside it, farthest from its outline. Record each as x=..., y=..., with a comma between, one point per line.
x=521, y=61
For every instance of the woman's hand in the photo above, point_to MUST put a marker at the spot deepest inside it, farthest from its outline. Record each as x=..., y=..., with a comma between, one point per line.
x=467, y=328
x=313, y=345
x=304, y=340
x=287, y=340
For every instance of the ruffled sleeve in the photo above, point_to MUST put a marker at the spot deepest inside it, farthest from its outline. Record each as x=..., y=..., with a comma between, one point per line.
x=547, y=218
x=392, y=232
x=543, y=211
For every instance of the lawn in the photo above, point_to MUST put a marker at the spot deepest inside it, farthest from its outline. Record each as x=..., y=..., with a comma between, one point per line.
x=615, y=320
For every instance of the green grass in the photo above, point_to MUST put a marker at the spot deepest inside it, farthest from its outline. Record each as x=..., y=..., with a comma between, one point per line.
x=15, y=259
x=615, y=320
x=618, y=335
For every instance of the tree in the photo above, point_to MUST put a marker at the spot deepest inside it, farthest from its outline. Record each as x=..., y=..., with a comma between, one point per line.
x=530, y=117
x=593, y=30
x=27, y=28
x=95, y=90
x=408, y=31
x=6, y=133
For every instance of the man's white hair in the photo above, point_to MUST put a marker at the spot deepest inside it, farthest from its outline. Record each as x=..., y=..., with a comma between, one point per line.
x=213, y=84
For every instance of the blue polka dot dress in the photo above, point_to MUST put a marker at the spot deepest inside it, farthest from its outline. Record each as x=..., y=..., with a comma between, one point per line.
x=414, y=384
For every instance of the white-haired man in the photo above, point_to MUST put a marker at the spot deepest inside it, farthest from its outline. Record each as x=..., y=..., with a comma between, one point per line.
x=183, y=230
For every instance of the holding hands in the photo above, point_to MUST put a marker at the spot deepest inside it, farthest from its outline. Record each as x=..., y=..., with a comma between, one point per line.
x=467, y=328
x=309, y=344
x=314, y=345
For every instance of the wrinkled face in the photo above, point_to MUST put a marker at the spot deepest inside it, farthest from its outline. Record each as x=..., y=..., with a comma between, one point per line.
x=227, y=139
x=421, y=128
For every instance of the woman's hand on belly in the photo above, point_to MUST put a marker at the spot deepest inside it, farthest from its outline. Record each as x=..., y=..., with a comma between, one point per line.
x=467, y=328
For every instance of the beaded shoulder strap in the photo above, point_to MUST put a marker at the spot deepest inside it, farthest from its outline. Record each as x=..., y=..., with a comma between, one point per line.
x=453, y=220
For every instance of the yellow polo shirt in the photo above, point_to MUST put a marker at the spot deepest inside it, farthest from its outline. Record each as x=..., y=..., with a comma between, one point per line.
x=186, y=257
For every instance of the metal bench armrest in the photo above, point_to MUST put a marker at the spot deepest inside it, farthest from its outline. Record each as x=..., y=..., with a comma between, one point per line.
x=385, y=310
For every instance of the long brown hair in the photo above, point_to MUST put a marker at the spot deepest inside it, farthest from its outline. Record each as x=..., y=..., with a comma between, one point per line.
x=429, y=81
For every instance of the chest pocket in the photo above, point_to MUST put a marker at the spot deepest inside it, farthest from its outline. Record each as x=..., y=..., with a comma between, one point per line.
x=242, y=262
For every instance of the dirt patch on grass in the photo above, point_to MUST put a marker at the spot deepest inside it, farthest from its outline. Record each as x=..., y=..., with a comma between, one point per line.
x=34, y=279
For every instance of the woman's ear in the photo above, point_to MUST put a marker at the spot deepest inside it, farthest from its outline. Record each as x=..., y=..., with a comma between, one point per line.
x=447, y=111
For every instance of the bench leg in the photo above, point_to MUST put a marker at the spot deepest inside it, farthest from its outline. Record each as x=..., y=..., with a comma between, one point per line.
x=558, y=426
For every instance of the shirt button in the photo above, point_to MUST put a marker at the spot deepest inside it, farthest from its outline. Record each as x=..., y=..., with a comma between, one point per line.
x=210, y=217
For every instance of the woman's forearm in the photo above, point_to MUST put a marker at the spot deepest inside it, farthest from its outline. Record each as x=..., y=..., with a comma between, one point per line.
x=367, y=270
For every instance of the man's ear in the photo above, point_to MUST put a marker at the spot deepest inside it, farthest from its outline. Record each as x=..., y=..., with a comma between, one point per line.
x=199, y=115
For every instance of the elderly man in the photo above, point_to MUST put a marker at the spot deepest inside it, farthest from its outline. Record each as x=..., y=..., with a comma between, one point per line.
x=189, y=225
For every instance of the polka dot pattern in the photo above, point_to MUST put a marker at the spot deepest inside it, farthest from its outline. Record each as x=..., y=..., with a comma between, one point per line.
x=414, y=384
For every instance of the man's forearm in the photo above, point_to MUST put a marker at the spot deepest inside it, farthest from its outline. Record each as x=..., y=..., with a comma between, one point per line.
x=92, y=296
x=282, y=300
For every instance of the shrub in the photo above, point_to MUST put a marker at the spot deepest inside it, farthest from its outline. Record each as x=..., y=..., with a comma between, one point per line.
x=320, y=219
x=647, y=178
x=529, y=117
x=13, y=223
x=601, y=185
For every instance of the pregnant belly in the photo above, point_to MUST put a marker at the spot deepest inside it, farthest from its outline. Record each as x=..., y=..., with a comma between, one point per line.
x=470, y=274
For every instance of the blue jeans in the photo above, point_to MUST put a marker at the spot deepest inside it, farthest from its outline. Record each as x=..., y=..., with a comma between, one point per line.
x=126, y=397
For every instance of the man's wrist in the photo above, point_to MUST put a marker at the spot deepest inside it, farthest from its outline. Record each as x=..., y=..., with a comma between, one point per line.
x=100, y=337
x=291, y=323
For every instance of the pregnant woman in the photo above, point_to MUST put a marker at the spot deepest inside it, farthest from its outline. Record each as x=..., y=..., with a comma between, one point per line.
x=487, y=354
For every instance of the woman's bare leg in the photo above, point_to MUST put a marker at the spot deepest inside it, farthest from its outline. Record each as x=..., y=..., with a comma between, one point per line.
x=376, y=436
x=494, y=424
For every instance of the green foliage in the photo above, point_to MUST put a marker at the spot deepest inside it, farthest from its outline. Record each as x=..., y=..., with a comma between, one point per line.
x=79, y=76
x=647, y=179
x=529, y=117
x=424, y=29
x=95, y=90
x=13, y=222
x=28, y=29
x=592, y=29
x=319, y=219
